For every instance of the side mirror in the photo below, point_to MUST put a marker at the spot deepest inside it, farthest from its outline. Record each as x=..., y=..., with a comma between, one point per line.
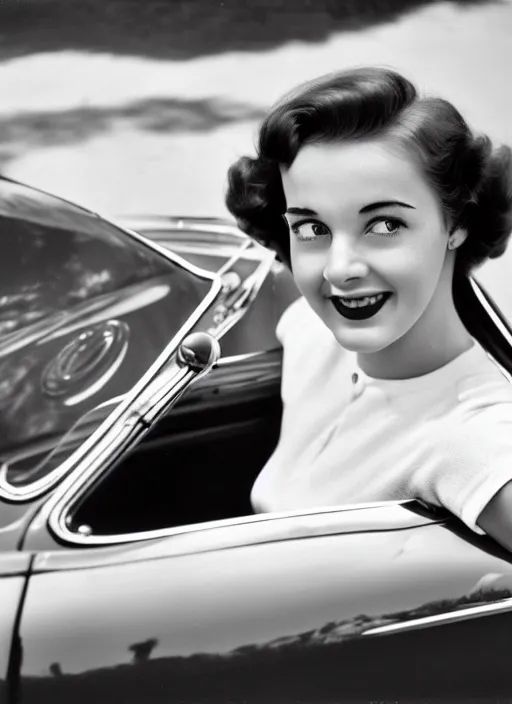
x=195, y=357
x=199, y=352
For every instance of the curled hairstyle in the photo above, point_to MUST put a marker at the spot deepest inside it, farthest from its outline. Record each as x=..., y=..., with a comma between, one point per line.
x=472, y=181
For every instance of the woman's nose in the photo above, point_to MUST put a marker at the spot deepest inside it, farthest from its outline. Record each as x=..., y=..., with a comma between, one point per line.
x=344, y=262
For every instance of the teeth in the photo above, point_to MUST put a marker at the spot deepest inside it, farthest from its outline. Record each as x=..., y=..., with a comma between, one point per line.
x=361, y=302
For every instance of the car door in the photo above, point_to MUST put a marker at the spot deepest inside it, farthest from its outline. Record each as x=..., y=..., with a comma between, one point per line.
x=365, y=603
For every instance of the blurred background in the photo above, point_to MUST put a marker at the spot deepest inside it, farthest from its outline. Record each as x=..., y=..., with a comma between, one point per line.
x=139, y=106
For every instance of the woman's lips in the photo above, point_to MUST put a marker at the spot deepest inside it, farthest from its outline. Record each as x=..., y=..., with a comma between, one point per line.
x=364, y=309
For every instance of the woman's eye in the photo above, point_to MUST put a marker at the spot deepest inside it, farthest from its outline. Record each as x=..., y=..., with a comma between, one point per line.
x=309, y=230
x=387, y=227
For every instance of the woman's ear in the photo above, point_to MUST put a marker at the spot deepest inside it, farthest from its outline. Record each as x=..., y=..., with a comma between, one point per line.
x=456, y=238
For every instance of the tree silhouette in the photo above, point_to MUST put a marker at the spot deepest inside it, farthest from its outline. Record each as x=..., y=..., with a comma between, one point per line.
x=142, y=651
x=56, y=669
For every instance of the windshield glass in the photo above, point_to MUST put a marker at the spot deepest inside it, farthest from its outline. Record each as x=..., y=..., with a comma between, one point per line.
x=85, y=309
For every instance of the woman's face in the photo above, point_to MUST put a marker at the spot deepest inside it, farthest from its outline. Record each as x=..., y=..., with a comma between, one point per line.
x=368, y=241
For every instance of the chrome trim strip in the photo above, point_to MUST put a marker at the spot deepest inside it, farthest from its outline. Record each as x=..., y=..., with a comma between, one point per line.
x=350, y=525
x=489, y=310
x=215, y=251
x=178, y=223
x=499, y=606
x=41, y=486
x=167, y=253
x=497, y=322
x=237, y=358
x=61, y=531
x=214, y=227
x=227, y=265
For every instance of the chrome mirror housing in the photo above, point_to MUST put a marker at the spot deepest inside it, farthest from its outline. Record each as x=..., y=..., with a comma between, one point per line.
x=199, y=352
x=195, y=357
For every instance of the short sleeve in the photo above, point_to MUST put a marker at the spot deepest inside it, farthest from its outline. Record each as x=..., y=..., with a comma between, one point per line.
x=473, y=461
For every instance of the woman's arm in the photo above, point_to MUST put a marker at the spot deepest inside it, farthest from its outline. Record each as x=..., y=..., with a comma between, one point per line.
x=496, y=518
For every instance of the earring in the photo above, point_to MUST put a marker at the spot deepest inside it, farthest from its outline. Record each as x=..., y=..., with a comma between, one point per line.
x=451, y=244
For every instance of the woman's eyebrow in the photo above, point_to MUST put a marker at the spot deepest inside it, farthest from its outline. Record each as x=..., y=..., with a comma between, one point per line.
x=384, y=204
x=301, y=211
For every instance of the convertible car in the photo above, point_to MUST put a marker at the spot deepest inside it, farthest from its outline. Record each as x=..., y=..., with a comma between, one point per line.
x=139, y=399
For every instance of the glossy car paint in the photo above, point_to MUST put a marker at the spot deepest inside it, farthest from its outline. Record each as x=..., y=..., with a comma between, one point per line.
x=15, y=520
x=13, y=569
x=278, y=610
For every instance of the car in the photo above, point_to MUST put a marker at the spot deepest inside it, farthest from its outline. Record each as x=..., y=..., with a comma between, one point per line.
x=139, y=399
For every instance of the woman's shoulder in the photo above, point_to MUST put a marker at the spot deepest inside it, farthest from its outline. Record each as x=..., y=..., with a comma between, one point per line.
x=485, y=388
x=470, y=456
x=480, y=419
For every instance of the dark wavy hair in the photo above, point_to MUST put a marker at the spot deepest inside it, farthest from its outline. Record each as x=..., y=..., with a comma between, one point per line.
x=473, y=181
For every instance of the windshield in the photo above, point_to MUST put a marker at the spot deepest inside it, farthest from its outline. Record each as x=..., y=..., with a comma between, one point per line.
x=85, y=309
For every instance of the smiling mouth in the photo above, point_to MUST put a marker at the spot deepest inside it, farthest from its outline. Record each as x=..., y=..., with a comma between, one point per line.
x=359, y=308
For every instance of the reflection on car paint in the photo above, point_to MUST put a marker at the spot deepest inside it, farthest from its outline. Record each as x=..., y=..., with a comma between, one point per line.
x=86, y=363
x=64, y=273
x=234, y=623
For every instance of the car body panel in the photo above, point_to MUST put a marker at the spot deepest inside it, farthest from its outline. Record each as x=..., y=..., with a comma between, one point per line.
x=243, y=531
x=198, y=622
x=14, y=567
x=16, y=519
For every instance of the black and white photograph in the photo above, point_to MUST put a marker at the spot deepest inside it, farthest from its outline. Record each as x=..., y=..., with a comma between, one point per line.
x=255, y=352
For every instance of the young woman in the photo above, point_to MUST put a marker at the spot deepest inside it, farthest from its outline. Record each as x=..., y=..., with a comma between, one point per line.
x=379, y=200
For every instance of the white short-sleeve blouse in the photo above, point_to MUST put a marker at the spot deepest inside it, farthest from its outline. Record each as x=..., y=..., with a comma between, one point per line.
x=444, y=437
